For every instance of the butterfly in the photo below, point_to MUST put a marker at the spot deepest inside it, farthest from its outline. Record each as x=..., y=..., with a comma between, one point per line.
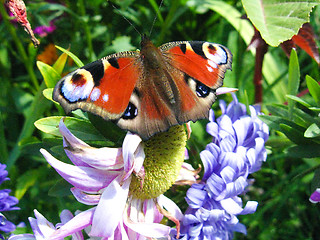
x=148, y=91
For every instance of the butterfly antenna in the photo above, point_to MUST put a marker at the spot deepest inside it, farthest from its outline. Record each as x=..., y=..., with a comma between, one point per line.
x=155, y=18
x=125, y=18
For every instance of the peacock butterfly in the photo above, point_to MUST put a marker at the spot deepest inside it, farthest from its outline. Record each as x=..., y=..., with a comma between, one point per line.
x=148, y=91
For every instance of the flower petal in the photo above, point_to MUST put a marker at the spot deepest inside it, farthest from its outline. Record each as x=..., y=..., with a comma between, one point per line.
x=110, y=208
x=85, y=198
x=170, y=206
x=129, y=147
x=23, y=237
x=149, y=230
x=75, y=225
x=315, y=196
x=84, y=178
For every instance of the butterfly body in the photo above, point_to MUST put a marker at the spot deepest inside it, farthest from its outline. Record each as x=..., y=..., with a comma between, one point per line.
x=148, y=91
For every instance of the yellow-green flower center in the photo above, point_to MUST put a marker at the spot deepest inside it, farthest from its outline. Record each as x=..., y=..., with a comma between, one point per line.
x=164, y=155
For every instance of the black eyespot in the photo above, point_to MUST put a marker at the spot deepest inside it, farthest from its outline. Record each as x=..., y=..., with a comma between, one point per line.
x=202, y=90
x=131, y=112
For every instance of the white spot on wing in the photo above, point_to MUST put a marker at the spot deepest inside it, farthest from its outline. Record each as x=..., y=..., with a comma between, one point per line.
x=105, y=97
x=95, y=94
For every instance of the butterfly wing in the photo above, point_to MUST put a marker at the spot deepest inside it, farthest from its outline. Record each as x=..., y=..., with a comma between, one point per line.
x=199, y=69
x=103, y=87
x=148, y=91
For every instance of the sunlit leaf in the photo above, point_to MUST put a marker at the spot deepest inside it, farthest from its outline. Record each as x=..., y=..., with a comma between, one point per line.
x=299, y=100
x=314, y=89
x=312, y=131
x=60, y=63
x=278, y=20
x=47, y=93
x=293, y=79
x=25, y=181
x=70, y=54
x=80, y=128
x=50, y=75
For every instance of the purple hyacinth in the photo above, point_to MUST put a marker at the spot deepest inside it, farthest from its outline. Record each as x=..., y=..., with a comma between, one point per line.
x=237, y=149
x=7, y=203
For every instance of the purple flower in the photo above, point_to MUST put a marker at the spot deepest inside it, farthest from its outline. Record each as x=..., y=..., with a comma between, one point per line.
x=7, y=203
x=237, y=149
x=315, y=196
x=44, y=30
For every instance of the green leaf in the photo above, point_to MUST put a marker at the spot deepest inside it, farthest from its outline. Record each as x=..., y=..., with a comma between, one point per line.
x=74, y=57
x=60, y=189
x=299, y=100
x=47, y=93
x=278, y=123
x=312, y=131
x=315, y=109
x=80, y=128
x=122, y=43
x=293, y=80
x=27, y=180
x=271, y=68
x=314, y=89
x=278, y=20
x=60, y=63
x=316, y=180
x=293, y=133
x=299, y=117
x=305, y=151
x=50, y=75
x=108, y=129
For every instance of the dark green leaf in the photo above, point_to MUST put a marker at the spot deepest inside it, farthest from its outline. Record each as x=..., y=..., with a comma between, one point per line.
x=108, y=129
x=60, y=189
x=293, y=133
x=305, y=151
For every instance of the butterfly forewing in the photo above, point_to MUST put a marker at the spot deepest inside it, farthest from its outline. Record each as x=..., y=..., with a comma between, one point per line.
x=103, y=87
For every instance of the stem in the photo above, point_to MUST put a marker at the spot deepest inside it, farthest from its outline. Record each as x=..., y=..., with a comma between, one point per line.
x=38, y=106
x=25, y=59
x=86, y=29
x=261, y=50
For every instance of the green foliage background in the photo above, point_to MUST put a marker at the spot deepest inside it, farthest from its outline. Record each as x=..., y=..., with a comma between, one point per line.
x=94, y=29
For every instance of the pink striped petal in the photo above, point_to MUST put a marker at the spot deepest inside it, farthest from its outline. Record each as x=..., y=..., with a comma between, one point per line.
x=110, y=208
x=129, y=147
x=99, y=158
x=85, y=178
x=76, y=224
x=85, y=198
x=149, y=230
